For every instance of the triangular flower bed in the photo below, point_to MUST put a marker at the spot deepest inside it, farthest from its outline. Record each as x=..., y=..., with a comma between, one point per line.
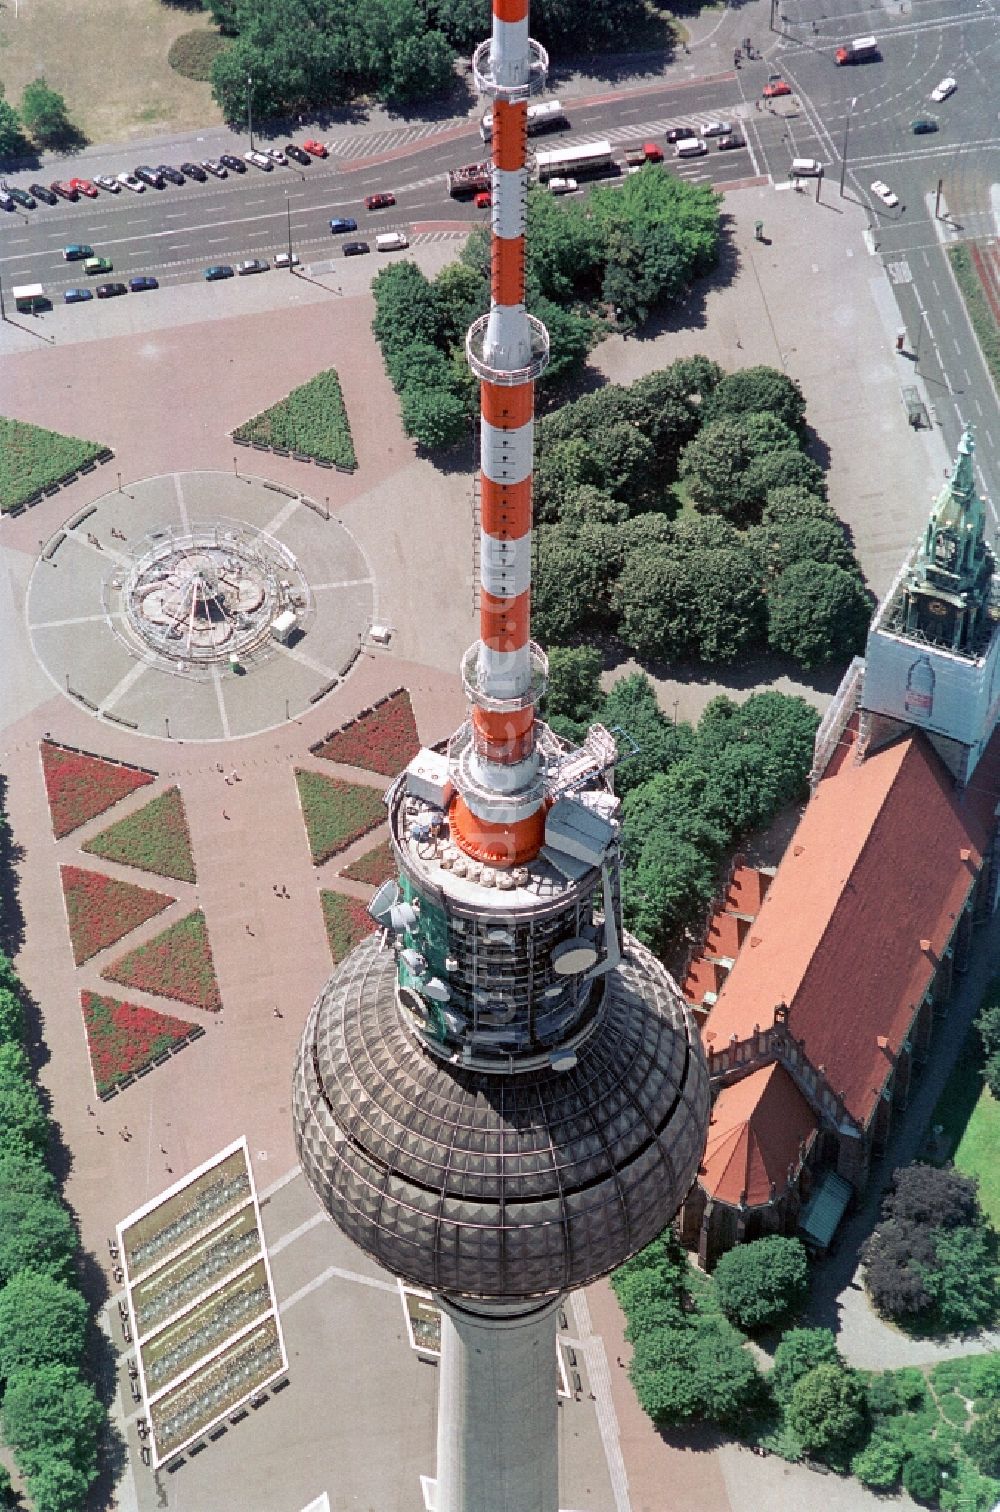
x=382, y=739
x=79, y=786
x=155, y=839
x=176, y=964
x=123, y=1039
x=100, y=910
x=347, y=922
x=374, y=867
x=336, y=812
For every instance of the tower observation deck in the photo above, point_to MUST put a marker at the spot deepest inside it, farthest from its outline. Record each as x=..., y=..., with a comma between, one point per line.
x=502, y=1095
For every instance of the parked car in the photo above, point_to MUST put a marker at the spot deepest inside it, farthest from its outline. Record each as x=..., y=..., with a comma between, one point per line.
x=151, y=176
x=355, y=249
x=562, y=185
x=717, y=128
x=76, y=252
x=41, y=193
x=6, y=200
x=84, y=186
x=727, y=143
x=779, y=87
x=483, y=200
x=217, y=271
x=22, y=197
x=170, y=173
x=94, y=265
x=297, y=155
x=139, y=285
x=885, y=194
x=277, y=156
x=923, y=125
x=64, y=191
x=286, y=260
x=252, y=265
x=232, y=162
x=680, y=133
x=192, y=171
x=653, y=152
x=259, y=160
x=129, y=181
x=342, y=223
x=77, y=296
x=105, y=181
x=945, y=88
x=379, y=201
x=215, y=166
x=318, y=149
x=110, y=291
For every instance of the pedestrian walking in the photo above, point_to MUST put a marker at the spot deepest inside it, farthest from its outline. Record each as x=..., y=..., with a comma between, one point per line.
x=277, y=1013
x=224, y=814
x=249, y=930
x=91, y=1111
x=99, y=1129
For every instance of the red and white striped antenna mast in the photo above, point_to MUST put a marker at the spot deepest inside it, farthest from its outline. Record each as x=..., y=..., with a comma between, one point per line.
x=498, y=815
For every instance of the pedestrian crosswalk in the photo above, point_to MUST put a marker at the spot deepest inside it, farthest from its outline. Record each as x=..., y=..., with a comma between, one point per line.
x=371, y=144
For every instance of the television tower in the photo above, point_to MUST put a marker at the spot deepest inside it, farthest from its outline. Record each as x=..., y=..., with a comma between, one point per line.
x=502, y=1096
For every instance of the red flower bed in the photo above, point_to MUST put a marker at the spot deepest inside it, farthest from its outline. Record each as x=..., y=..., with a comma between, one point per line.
x=123, y=1038
x=383, y=739
x=177, y=964
x=78, y=787
x=374, y=867
x=347, y=922
x=101, y=910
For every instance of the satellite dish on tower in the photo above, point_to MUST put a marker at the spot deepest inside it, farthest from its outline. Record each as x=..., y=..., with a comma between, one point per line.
x=384, y=900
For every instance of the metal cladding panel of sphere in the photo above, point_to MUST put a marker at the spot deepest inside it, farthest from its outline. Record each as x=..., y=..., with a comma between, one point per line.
x=499, y=1186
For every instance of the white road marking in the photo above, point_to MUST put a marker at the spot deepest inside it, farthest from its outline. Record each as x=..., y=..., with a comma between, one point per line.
x=328, y=1275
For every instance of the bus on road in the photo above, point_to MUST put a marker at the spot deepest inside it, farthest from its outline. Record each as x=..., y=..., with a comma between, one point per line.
x=547, y=115
x=589, y=157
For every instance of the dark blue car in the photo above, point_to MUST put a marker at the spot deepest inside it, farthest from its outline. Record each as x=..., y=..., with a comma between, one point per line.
x=341, y=223
x=218, y=271
x=137, y=285
x=77, y=296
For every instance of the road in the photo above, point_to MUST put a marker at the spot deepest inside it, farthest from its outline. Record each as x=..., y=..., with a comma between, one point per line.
x=865, y=110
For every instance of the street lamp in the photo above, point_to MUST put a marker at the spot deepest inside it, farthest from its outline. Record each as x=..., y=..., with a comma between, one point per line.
x=843, y=156
x=288, y=217
x=250, y=108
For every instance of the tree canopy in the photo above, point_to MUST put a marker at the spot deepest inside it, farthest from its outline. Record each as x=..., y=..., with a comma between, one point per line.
x=818, y=613
x=827, y=1410
x=762, y=1283
x=43, y=112
x=42, y=1322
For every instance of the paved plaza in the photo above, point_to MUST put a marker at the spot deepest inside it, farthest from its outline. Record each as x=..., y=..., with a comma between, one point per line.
x=356, y=1421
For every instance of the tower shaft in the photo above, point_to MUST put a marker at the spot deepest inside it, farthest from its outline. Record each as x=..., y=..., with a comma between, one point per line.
x=497, y=1441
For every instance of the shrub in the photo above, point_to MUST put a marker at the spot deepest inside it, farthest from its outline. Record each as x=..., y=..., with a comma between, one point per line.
x=922, y=1476
x=879, y=1463
x=155, y=839
x=311, y=419
x=827, y=1410
x=800, y=1350
x=193, y=53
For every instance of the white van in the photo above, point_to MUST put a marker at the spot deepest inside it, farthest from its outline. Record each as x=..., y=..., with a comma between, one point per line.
x=805, y=168
x=690, y=147
x=391, y=241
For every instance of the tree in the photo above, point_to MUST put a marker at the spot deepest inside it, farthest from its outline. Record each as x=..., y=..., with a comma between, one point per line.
x=571, y=335
x=653, y=600
x=22, y=1117
x=762, y=1283
x=896, y=1259
x=43, y=1321
x=982, y=1442
x=827, y=1410
x=11, y=1017
x=50, y=1414
x=574, y=689
x=800, y=1351
x=778, y=727
x=460, y=295
x=43, y=111
x=13, y=143
x=434, y=417
x=818, y=614
x=698, y=1371
x=967, y=1490
x=564, y=250
x=649, y=743
x=879, y=1463
x=787, y=467
x=421, y=66
x=792, y=501
x=922, y=1476
x=962, y=1283
x=56, y=1485
x=755, y=390
x=809, y=539
x=717, y=465
x=36, y=1230
x=931, y=1197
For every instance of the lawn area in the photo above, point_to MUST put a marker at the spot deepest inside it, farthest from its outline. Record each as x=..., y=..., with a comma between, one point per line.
x=32, y=458
x=176, y=964
x=156, y=839
x=969, y=1116
x=336, y=812
x=983, y=321
x=311, y=420
x=374, y=867
x=109, y=61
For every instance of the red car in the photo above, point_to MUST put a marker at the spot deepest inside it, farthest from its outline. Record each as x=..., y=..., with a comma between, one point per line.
x=318, y=149
x=84, y=186
x=483, y=200
x=779, y=87
x=654, y=154
x=65, y=191
x=379, y=201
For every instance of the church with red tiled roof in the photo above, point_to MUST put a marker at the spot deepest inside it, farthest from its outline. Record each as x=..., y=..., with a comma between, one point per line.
x=819, y=989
